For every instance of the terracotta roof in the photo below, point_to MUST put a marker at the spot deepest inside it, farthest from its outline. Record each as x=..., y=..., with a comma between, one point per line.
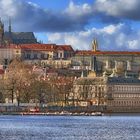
x=46, y=47
x=39, y=47
x=65, y=47
x=1, y=71
x=89, y=52
x=11, y=46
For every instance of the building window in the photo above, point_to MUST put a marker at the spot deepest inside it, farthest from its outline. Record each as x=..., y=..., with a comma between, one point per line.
x=28, y=56
x=42, y=56
x=61, y=55
x=35, y=56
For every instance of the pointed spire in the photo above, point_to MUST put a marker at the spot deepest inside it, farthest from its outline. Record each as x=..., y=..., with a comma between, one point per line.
x=94, y=45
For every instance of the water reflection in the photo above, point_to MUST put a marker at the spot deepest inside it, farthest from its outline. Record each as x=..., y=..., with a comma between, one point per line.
x=69, y=128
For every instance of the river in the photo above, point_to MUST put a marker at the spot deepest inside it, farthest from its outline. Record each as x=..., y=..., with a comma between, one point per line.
x=69, y=128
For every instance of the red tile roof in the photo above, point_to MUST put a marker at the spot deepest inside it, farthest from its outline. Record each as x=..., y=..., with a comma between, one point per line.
x=46, y=47
x=11, y=46
x=39, y=47
x=1, y=71
x=89, y=52
x=65, y=47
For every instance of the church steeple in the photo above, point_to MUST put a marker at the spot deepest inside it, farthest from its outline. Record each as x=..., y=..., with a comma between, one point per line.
x=94, y=45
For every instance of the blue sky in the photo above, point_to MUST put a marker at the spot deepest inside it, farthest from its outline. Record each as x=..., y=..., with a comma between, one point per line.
x=58, y=4
x=115, y=23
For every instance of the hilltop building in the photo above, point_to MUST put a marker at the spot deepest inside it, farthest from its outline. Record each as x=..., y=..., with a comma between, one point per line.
x=111, y=82
x=122, y=62
x=58, y=56
x=9, y=37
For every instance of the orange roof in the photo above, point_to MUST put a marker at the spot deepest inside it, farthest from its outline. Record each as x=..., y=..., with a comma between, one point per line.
x=1, y=71
x=39, y=47
x=65, y=47
x=11, y=46
x=89, y=52
x=46, y=47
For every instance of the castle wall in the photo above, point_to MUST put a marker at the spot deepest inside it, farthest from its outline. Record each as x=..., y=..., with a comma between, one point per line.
x=127, y=62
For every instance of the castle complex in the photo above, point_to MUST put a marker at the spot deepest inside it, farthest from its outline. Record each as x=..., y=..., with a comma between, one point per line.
x=25, y=46
x=108, y=78
x=121, y=62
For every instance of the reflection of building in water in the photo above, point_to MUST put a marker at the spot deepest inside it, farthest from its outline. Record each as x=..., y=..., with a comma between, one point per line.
x=121, y=61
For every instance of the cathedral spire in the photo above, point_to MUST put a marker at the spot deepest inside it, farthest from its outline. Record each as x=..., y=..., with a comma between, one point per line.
x=94, y=45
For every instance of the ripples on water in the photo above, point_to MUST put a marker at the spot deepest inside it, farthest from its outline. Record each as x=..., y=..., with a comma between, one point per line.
x=69, y=128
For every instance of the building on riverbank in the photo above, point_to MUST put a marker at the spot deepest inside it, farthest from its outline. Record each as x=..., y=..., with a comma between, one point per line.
x=123, y=94
x=88, y=91
x=114, y=94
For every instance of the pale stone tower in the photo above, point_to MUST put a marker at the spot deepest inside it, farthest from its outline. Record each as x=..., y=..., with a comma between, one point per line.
x=94, y=45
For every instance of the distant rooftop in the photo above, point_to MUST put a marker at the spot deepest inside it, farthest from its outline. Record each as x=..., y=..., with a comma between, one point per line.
x=90, y=52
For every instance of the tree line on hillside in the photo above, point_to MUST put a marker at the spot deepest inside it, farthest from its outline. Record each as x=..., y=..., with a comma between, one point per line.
x=20, y=83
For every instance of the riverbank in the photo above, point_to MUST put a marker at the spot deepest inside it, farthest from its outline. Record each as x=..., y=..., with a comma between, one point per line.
x=53, y=113
x=68, y=114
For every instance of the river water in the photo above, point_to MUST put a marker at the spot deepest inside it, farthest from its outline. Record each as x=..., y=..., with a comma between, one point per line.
x=69, y=128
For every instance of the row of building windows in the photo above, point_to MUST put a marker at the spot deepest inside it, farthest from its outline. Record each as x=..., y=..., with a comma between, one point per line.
x=124, y=88
x=58, y=64
x=89, y=88
x=124, y=103
x=37, y=56
x=126, y=95
x=45, y=56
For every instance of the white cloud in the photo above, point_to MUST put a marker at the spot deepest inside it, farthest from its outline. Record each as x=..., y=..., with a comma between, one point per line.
x=79, y=10
x=133, y=44
x=7, y=8
x=111, y=37
x=119, y=8
x=28, y=16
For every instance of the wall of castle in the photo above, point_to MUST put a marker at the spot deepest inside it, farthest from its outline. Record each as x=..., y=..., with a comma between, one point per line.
x=127, y=62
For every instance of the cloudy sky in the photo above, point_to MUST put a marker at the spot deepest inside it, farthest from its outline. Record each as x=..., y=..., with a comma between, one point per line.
x=114, y=23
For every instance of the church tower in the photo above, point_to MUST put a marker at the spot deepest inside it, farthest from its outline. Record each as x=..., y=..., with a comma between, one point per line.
x=1, y=33
x=94, y=45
